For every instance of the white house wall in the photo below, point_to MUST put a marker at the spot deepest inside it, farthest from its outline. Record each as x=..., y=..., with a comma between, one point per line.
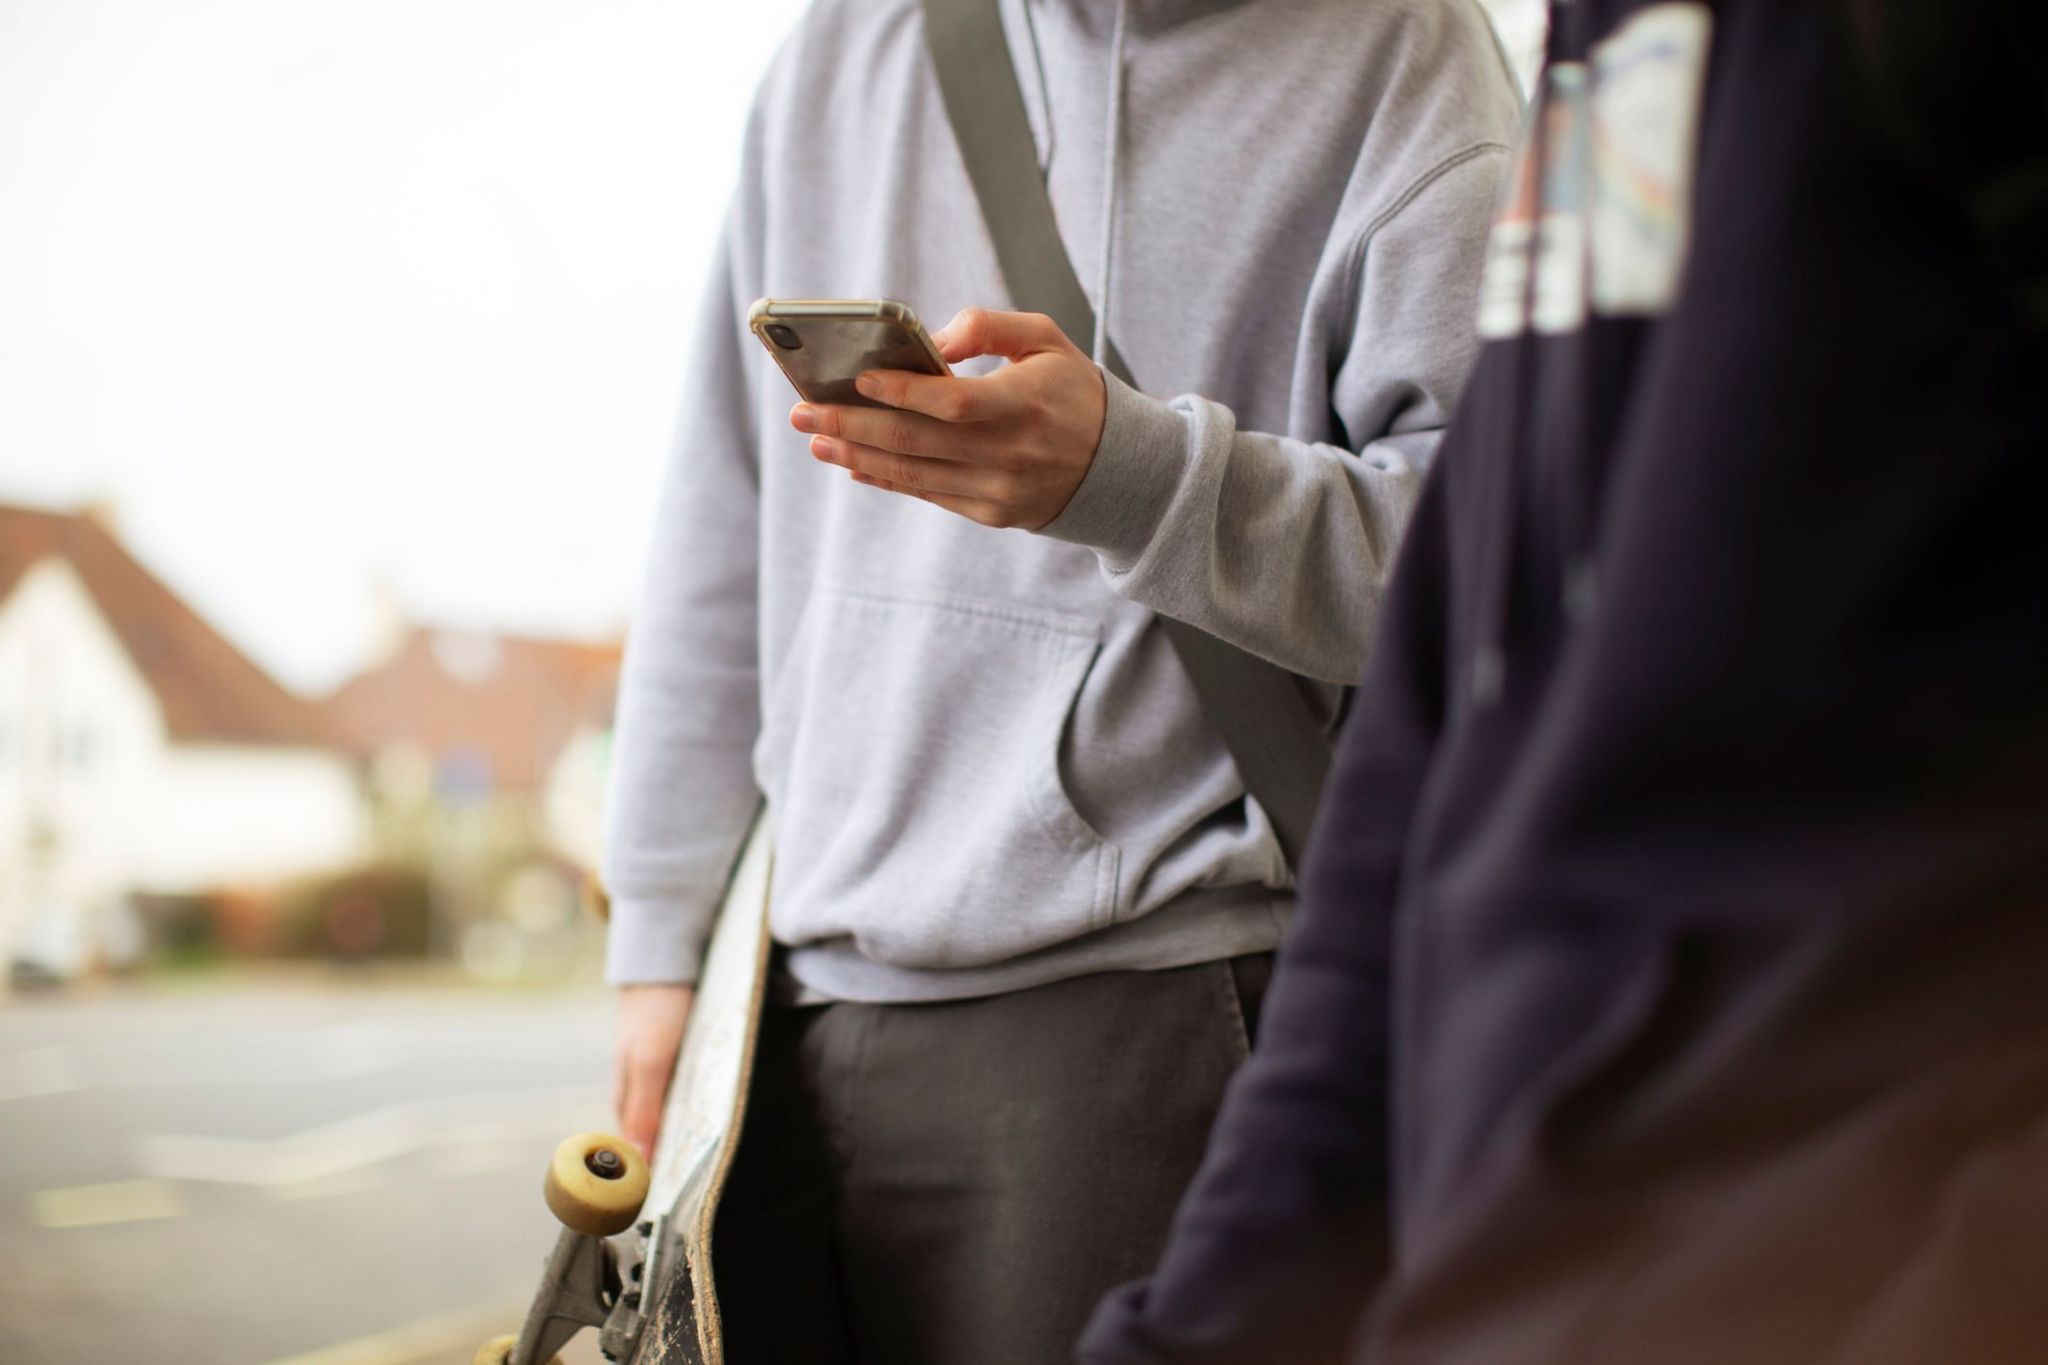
x=229, y=814
x=81, y=743
x=574, y=800
x=98, y=801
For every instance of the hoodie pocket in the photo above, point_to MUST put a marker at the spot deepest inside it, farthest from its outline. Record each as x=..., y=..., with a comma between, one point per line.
x=911, y=757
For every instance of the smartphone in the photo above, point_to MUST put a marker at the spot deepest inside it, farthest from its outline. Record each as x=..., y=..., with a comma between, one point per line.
x=823, y=345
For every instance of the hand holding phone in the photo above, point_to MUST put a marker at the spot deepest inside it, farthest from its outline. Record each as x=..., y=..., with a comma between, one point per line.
x=823, y=345
x=1008, y=448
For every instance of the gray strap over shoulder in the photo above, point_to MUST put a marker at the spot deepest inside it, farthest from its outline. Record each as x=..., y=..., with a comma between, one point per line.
x=1263, y=712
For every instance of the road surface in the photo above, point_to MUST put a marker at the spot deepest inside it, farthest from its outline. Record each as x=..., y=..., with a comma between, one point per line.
x=312, y=1170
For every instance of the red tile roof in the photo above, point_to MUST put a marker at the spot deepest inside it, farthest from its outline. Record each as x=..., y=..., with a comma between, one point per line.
x=208, y=689
x=510, y=703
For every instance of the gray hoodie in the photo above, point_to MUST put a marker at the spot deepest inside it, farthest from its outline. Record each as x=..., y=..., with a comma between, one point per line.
x=985, y=766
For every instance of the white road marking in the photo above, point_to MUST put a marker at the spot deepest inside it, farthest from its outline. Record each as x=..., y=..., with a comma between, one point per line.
x=481, y=1158
x=320, y=1153
x=119, y=1201
x=333, y=1052
x=327, y=1187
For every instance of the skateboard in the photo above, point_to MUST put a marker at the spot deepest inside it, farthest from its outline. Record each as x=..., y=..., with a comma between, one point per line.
x=651, y=1297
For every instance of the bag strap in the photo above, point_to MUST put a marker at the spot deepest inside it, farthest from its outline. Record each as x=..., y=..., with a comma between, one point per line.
x=1263, y=712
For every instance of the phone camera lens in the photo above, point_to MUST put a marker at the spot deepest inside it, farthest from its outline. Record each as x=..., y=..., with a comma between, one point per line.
x=784, y=335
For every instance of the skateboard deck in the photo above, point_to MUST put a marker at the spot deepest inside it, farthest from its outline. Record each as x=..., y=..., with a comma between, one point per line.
x=700, y=1125
x=653, y=1301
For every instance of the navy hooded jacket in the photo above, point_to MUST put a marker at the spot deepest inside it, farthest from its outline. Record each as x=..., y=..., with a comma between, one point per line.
x=1671, y=978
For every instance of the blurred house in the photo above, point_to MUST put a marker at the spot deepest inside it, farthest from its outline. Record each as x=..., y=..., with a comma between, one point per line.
x=483, y=758
x=140, y=751
x=472, y=719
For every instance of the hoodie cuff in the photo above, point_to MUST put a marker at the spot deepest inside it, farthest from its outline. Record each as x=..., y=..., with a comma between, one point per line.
x=649, y=944
x=1137, y=470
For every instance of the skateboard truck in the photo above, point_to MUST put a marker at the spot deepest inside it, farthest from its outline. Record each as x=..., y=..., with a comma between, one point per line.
x=595, y=1186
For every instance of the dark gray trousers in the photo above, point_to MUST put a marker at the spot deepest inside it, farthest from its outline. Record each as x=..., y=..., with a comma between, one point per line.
x=958, y=1183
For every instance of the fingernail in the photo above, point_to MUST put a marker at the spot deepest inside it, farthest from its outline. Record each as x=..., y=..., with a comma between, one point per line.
x=802, y=418
x=869, y=386
x=821, y=447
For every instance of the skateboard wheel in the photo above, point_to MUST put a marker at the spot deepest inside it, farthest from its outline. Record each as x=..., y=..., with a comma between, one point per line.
x=596, y=1184
x=498, y=1350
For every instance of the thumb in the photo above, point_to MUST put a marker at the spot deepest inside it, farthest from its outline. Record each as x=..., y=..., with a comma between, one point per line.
x=986, y=331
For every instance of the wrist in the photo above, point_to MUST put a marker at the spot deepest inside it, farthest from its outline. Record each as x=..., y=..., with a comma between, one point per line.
x=1140, y=456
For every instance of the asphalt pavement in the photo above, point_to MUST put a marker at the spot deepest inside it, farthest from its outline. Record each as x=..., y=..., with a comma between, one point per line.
x=315, y=1169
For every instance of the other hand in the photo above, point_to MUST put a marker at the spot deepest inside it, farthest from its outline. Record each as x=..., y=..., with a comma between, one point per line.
x=651, y=1020
x=1004, y=449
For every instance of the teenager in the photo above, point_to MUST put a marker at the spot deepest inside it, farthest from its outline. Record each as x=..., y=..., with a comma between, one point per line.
x=1022, y=903
x=1668, y=983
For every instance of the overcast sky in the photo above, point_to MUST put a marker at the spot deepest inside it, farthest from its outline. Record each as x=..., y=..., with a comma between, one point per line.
x=320, y=292
x=327, y=293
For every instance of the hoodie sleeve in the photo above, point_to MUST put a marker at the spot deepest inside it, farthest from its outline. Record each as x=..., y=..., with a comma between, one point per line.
x=1283, y=1235
x=1280, y=546
x=682, y=791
